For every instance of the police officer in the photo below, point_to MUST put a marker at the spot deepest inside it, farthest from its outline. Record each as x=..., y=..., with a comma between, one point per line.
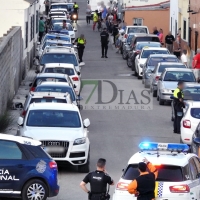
x=81, y=42
x=75, y=7
x=98, y=182
x=178, y=106
x=104, y=42
x=144, y=185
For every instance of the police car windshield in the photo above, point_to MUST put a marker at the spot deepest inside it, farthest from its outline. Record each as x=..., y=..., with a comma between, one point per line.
x=60, y=70
x=59, y=6
x=57, y=14
x=165, y=173
x=192, y=93
x=53, y=118
x=141, y=46
x=179, y=76
x=155, y=60
x=60, y=89
x=137, y=30
x=162, y=67
x=59, y=58
x=147, y=53
x=47, y=99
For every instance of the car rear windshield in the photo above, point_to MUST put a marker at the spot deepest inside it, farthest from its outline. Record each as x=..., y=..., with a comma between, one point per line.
x=59, y=21
x=147, y=53
x=60, y=89
x=59, y=6
x=55, y=44
x=47, y=99
x=59, y=27
x=195, y=112
x=56, y=14
x=137, y=30
x=60, y=70
x=140, y=46
x=37, y=151
x=58, y=37
x=53, y=118
x=192, y=93
x=129, y=38
x=155, y=60
x=44, y=79
x=179, y=75
x=162, y=67
x=149, y=39
x=165, y=173
x=59, y=58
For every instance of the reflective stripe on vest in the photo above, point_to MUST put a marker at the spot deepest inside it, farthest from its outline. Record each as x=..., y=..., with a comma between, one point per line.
x=176, y=91
x=81, y=41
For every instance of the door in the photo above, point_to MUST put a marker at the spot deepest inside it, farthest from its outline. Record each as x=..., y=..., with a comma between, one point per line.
x=12, y=167
x=195, y=147
x=197, y=163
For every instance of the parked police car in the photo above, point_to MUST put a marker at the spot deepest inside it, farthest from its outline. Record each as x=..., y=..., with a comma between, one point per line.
x=178, y=172
x=26, y=171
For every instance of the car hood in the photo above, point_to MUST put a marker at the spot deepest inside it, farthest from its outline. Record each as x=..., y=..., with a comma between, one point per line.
x=52, y=133
x=170, y=84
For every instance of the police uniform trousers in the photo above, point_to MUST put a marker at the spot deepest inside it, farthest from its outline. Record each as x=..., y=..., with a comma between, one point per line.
x=104, y=48
x=177, y=120
x=80, y=53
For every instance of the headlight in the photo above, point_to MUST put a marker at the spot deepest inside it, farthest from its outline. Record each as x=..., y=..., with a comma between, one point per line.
x=80, y=141
x=166, y=91
x=74, y=16
x=141, y=65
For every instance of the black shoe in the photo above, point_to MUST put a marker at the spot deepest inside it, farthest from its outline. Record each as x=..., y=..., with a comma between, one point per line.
x=106, y=57
x=102, y=56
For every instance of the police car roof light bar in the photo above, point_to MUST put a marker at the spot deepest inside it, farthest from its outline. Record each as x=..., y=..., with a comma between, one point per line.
x=173, y=147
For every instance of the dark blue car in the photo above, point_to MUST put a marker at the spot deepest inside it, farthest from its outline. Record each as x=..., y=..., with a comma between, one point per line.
x=26, y=170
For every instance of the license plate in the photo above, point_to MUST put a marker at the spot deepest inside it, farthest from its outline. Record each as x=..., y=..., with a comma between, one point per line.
x=54, y=149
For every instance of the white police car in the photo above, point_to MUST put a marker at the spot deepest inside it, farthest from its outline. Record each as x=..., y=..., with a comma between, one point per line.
x=178, y=172
x=26, y=171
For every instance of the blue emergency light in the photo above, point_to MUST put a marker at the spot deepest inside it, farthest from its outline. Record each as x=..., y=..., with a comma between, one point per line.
x=153, y=146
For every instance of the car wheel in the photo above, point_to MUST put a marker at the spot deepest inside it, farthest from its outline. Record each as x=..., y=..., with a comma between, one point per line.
x=161, y=102
x=129, y=63
x=86, y=167
x=139, y=77
x=154, y=93
x=35, y=189
x=124, y=55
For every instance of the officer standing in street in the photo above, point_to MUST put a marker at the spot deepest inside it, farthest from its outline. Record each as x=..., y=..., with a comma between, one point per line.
x=178, y=106
x=81, y=42
x=98, y=182
x=144, y=185
x=104, y=42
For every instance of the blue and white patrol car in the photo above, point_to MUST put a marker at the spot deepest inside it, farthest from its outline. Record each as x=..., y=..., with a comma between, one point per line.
x=26, y=171
x=178, y=172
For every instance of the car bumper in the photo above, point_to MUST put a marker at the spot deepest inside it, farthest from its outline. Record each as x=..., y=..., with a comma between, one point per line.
x=186, y=135
x=165, y=96
x=54, y=191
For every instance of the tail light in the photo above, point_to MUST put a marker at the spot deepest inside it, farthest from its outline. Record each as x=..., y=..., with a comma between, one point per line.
x=186, y=124
x=53, y=165
x=122, y=186
x=157, y=78
x=23, y=113
x=75, y=78
x=179, y=189
x=32, y=89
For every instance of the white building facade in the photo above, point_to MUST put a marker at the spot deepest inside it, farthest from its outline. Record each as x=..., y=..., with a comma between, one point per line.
x=174, y=11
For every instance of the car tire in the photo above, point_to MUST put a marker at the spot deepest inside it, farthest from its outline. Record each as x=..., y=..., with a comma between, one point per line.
x=86, y=167
x=30, y=186
x=138, y=77
x=129, y=63
x=124, y=55
x=154, y=93
x=161, y=102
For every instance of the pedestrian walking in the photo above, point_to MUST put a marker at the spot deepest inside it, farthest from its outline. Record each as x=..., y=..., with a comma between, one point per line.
x=88, y=14
x=98, y=179
x=47, y=4
x=95, y=19
x=144, y=185
x=184, y=59
x=161, y=36
x=178, y=106
x=41, y=28
x=196, y=66
x=115, y=31
x=81, y=42
x=104, y=43
x=169, y=40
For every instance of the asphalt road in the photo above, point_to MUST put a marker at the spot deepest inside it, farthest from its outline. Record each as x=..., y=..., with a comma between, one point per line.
x=114, y=134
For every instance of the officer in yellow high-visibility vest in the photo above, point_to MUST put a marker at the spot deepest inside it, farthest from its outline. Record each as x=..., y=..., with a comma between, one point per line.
x=95, y=19
x=81, y=42
x=178, y=106
x=75, y=7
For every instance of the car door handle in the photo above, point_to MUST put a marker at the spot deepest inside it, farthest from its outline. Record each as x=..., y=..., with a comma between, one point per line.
x=20, y=166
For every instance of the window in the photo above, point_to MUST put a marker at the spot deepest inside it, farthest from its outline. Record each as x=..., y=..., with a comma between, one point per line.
x=31, y=29
x=26, y=35
x=193, y=169
x=138, y=21
x=184, y=29
x=9, y=150
x=37, y=22
x=37, y=151
x=33, y=32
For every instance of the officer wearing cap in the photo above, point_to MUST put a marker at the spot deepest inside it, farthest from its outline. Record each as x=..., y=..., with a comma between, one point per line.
x=144, y=185
x=98, y=182
x=178, y=106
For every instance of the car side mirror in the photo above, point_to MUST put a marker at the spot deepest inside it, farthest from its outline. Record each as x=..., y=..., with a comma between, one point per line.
x=20, y=121
x=79, y=73
x=86, y=123
x=196, y=141
x=30, y=84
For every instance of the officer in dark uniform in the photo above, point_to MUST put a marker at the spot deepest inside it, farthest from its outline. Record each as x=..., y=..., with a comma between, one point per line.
x=98, y=182
x=144, y=185
x=178, y=106
x=81, y=42
x=104, y=42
